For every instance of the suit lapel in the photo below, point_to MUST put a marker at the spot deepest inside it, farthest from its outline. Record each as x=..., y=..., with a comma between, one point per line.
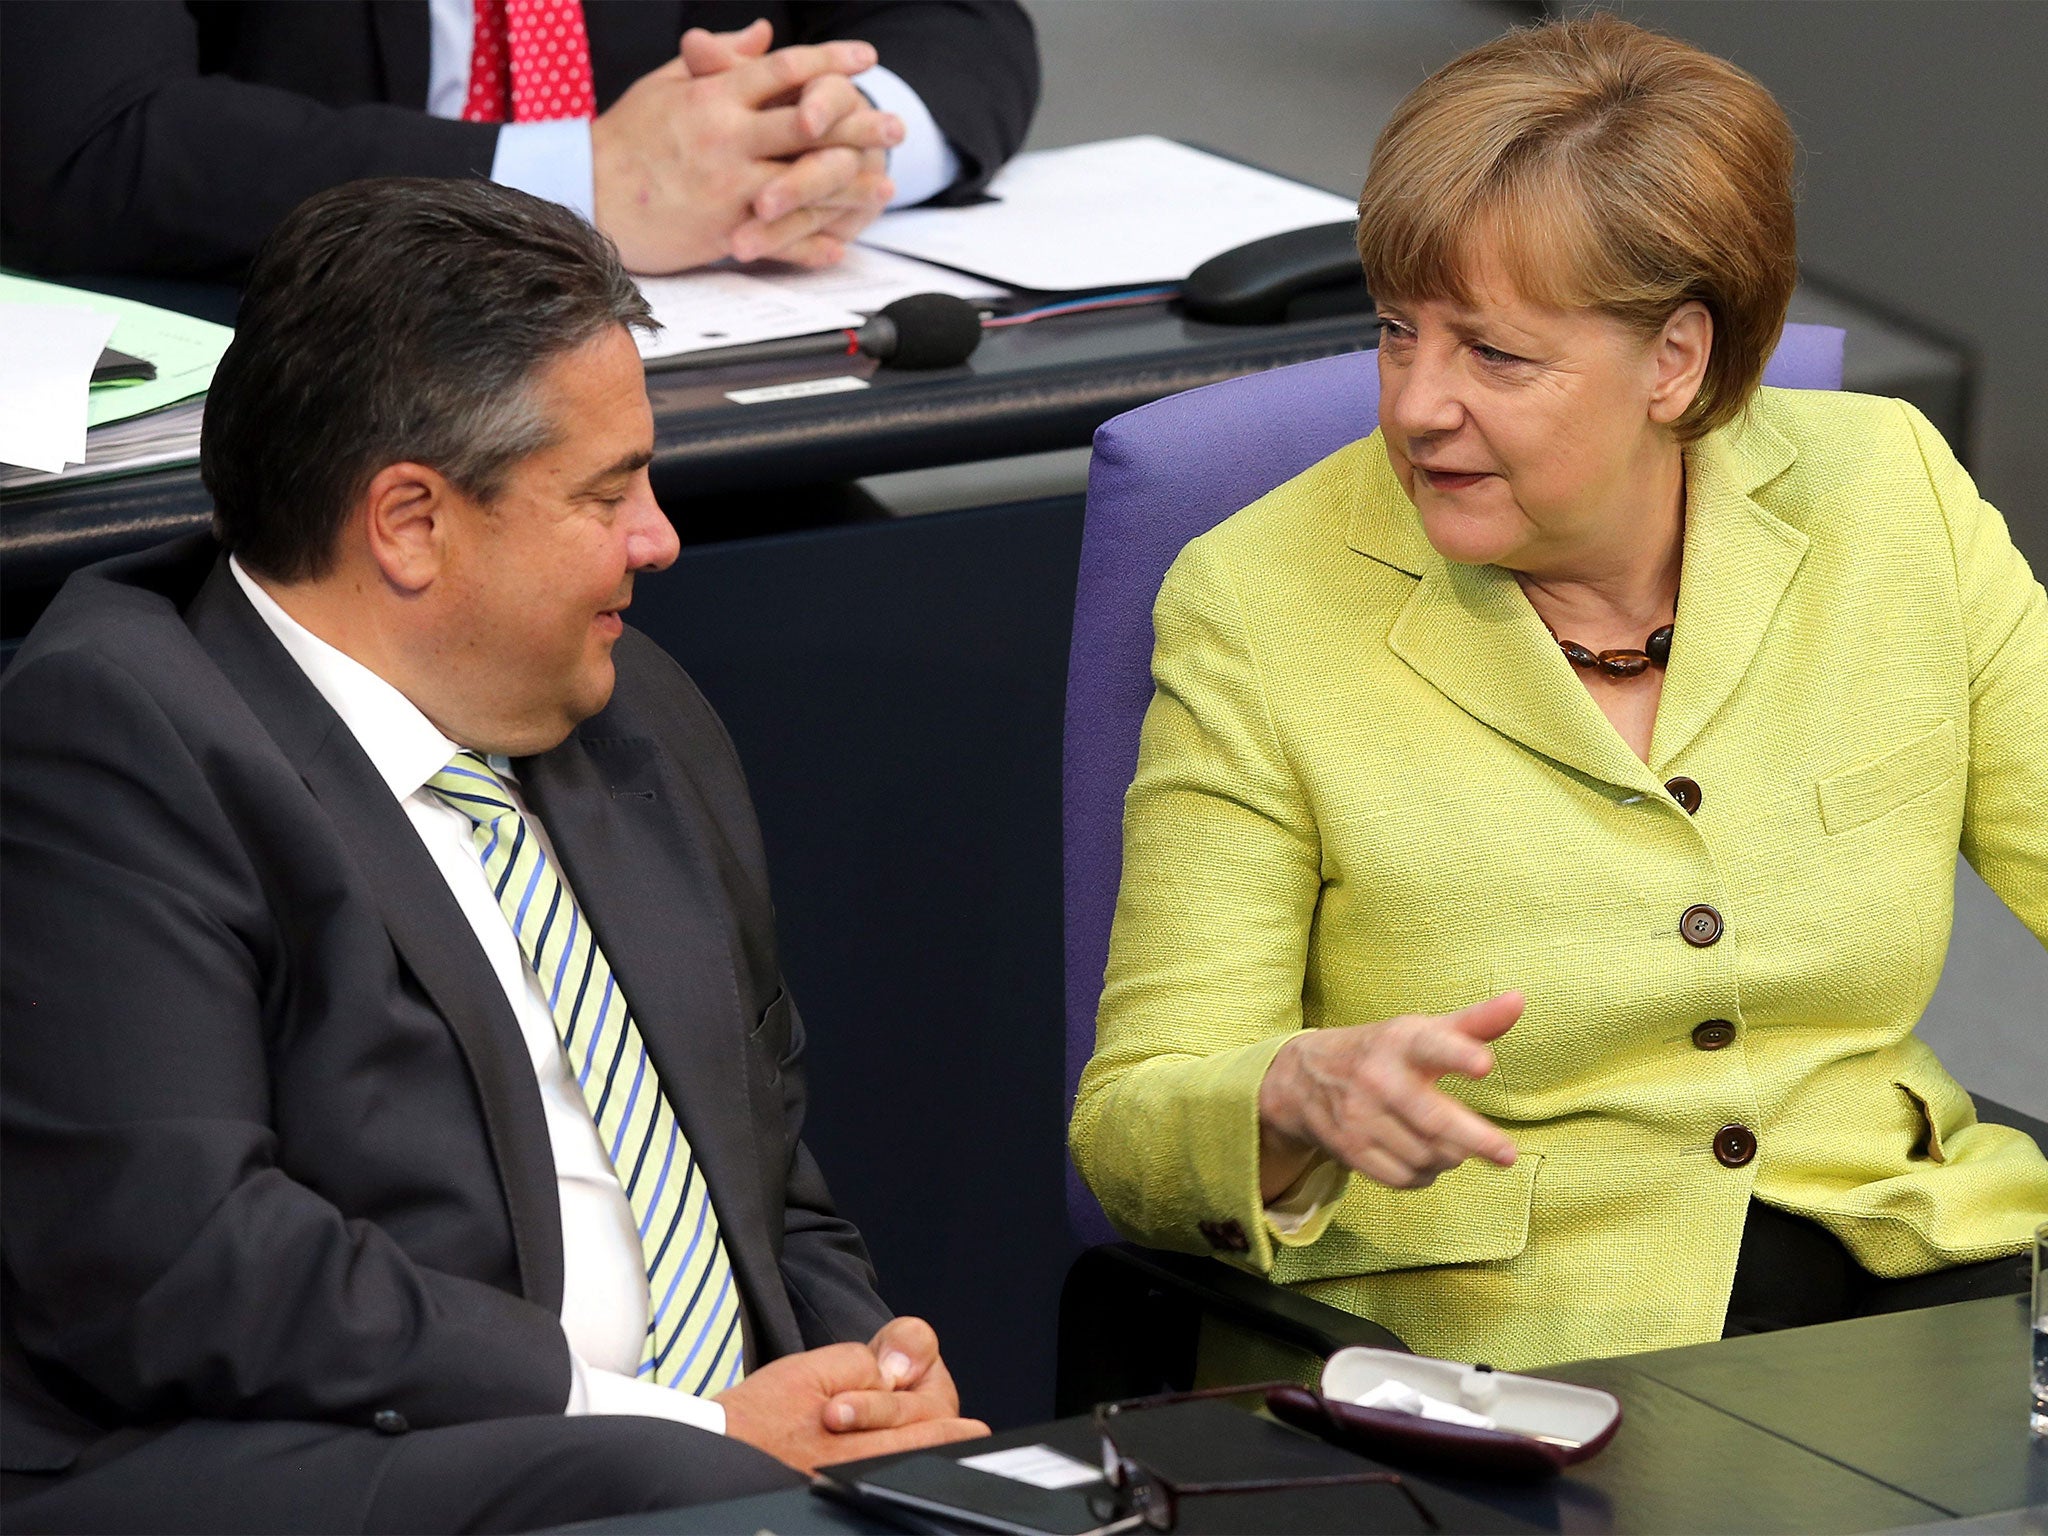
x=403, y=48
x=1739, y=561
x=426, y=925
x=637, y=861
x=1470, y=633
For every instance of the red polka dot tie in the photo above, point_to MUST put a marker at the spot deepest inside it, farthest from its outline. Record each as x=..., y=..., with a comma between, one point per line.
x=530, y=63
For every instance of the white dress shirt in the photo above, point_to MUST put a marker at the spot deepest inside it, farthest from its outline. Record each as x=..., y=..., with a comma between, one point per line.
x=605, y=1303
x=553, y=160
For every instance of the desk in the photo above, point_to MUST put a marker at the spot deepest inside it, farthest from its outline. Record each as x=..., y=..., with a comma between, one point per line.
x=724, y=470
x=1028, y=389
x=1883, y=1423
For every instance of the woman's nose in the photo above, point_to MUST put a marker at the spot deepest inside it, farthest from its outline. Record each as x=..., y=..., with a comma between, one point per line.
x=1421, y=398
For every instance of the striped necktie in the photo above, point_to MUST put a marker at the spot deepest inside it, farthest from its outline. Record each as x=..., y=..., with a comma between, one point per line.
x=693, y=1336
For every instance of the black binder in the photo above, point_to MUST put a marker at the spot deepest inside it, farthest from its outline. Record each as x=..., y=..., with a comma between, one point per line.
x=1184, y=1443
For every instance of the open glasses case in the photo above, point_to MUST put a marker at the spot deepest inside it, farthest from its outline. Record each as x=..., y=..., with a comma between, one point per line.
x=1542, y=1426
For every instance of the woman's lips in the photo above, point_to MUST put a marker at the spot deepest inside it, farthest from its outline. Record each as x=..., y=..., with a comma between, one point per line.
x=611, y=624
x=1449, y=480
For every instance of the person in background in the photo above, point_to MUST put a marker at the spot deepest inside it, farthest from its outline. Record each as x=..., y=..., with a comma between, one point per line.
x=402, y=1104
x=1544, y=833
x=166, y=139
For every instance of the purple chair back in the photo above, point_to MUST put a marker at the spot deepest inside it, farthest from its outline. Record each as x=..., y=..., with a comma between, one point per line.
x=1161, y=475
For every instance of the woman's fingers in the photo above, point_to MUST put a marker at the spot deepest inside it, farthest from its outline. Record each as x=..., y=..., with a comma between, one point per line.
x=1456, y=1131
x=1488, y=1019
x=1367, y=1096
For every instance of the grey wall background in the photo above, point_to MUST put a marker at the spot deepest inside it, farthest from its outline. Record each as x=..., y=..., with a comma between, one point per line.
x=1925, y=192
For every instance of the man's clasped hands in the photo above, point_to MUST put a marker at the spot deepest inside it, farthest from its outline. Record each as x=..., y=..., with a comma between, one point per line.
x=734, y=148
x=848, y=1401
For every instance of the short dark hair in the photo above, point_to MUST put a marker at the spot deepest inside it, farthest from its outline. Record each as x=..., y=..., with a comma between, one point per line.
x=394, y=319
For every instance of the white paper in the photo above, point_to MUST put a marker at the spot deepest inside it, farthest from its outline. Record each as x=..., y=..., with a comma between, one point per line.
x=867, y=279
x=724, y=308
x=47, y=353
x=1039, y=1465
x=1402, y=1398
x=1121, y=213
x=838, y=384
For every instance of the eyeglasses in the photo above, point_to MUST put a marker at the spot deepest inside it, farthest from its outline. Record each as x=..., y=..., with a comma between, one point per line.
x=1138, y=1498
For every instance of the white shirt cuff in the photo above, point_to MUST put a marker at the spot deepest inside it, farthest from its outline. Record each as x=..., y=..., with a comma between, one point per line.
x=550, y=160
x=1296, y=1206
x=924, y=164
x=592, y=1391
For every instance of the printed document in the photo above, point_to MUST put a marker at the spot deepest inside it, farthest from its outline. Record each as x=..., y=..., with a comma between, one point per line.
x=1123, y=213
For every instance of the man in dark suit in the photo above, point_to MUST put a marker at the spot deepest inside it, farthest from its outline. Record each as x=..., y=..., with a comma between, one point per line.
x=166, y=139
x=401, y=1100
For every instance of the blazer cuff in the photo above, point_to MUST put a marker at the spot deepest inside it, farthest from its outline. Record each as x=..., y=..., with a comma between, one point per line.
x=1173, y=1154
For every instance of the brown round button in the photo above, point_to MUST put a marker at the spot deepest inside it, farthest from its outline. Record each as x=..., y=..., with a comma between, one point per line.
x=1700, y=926
x=1713, y=1034
x=1686, y=792
x=1734, y=1145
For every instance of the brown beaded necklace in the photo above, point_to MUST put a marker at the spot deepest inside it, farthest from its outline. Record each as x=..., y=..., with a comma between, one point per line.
x=1656, y=652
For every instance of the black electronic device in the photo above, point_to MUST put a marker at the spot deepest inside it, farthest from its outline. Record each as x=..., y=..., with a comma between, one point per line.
x=924, y=330
x=1266, y=281
x=120, y=368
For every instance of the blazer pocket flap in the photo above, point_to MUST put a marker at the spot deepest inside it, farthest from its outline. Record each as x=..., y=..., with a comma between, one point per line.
x=1476, y=1213
x=1848, y=800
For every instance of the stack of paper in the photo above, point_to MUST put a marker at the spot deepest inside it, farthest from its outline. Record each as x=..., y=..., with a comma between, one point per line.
x=108, y=428
x=45, y=376
x=1123, y=213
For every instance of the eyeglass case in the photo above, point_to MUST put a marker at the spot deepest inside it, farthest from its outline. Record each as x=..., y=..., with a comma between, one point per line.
x=1544, y=1426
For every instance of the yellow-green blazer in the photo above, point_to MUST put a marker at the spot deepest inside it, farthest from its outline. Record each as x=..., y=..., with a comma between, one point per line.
x=1370, y=784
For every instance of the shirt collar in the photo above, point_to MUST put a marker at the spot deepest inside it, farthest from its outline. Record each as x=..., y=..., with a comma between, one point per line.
x=401, y=743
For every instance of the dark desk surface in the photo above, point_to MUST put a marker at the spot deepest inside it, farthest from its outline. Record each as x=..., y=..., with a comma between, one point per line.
x=1884, y=1423
x=1931, y=1403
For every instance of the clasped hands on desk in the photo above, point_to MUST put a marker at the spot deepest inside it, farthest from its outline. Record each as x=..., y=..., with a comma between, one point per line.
x=1903, y=1420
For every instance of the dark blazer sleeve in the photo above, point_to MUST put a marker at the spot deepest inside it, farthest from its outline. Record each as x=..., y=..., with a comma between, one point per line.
x=123, y=157
x=825, y=1264
x=162, y=1261
x=974, y=66
x=826, y=1272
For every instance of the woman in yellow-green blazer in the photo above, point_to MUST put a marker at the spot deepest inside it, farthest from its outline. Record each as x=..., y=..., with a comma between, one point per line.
x=1597, y=738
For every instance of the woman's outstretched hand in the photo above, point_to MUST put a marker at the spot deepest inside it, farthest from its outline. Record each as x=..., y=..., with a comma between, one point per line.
x=1366, y=1095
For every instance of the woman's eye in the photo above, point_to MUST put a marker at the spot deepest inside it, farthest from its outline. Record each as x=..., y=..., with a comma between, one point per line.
x=1488, y=354
x=1393, y=330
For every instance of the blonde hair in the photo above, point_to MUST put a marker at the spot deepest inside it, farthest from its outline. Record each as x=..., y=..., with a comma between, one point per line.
x=1608, y=168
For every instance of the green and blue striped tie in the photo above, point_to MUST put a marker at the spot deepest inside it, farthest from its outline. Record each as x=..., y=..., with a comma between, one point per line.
x=694, y=1339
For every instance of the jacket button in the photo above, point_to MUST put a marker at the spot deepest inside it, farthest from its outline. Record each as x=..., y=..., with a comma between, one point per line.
x=1734, y=1145
x=1700, y=926
x=1713, y=1034
x=1225, y=1236
x=1686, y=792
x=389, y=1421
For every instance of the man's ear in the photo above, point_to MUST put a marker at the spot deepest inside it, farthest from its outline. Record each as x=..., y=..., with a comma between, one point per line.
x=1679, y=357
x=407, y=511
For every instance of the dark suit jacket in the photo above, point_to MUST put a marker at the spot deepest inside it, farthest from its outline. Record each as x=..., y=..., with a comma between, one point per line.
x=273, y=1145
x=155, y=137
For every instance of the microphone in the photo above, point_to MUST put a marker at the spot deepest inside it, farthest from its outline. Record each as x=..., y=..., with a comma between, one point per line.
x=925, y=330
